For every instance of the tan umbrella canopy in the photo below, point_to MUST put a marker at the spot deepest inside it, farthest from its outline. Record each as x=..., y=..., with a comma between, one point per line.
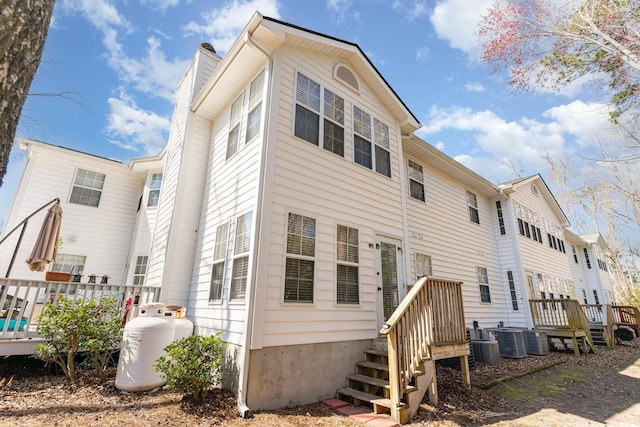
x=45, y=249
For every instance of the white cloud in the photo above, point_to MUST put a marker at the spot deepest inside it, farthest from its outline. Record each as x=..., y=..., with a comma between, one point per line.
x=412, y=9
x=456, y=20
x=422, y=54
x=102, y=14
x=153, y=73
x=495, y=143
x=134, y=128
x=163, y=5
x=339, y=5
x=474, y=87
x=222, y=25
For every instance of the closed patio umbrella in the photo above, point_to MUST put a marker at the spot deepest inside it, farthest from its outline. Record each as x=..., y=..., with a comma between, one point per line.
x=44, y=250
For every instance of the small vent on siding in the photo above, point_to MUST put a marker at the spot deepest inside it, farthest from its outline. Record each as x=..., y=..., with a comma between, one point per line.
x=534, y=189
x=344, y=74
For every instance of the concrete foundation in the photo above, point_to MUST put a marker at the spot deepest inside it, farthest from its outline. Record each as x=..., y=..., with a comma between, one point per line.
x=301, y=374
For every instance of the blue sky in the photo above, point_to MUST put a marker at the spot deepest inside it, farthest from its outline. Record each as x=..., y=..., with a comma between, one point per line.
x=124, y=59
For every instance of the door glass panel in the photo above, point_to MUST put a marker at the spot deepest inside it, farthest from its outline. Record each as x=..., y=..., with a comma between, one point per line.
x=389, y=274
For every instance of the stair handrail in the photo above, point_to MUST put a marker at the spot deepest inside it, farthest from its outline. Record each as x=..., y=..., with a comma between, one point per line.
x=431, y=312
x=610, y=326
x=577, y=319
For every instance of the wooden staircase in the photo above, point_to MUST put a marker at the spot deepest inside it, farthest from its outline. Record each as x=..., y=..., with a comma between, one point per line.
x=396, y=374
x=369, y=386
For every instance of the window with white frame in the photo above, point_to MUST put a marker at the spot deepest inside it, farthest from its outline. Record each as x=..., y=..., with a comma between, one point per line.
x=503, y=230
x=586, y=257
x=140, y=270
x=371, y=142
x=300, y=260
x=423, y=265
x=512, y=290
x=595, y=297
x=256, y=90
x=219, y=258
x=483, y=284
x=69, y=263
x=309, y=110
x=348, y=290
x=472, y=203
x=87, y=188
x=154, y=189
x=240, y=269
x=575, y=254
x=235, y=117
x=416, y=180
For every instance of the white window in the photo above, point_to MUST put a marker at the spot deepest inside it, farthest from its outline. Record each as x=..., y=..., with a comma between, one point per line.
x=309, y=110
x=234, y=127
x=423, y=265
x=416, y=181
x=503, y=230
x=68, y=263
x=483, y=284
x=371, y=142
x=255, y=106
x=140, y=271
x=87, y=188
x=240, y=269
x=300, y=262
x=348, y=258
x=219, y=257
x=154, y=189
x=472, y=202
x=512, y=291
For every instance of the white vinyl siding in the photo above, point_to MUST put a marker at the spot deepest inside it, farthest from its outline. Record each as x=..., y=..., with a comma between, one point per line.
x=87, y=188
x=348, y=257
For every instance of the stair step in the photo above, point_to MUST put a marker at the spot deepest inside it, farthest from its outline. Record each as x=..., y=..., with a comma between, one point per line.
x=368, y=380
x=376, y=352
x=374, y=400
x=372, y=365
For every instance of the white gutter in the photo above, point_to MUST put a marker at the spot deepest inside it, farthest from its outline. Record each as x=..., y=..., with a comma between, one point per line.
x=244, y=372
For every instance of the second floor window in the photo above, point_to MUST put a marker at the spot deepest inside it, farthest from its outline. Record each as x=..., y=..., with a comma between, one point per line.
x=87, y=188
x=255, y=107
x=234, y=127
x=371, y=142
x=154, y=189
x=472, y=203
x=416, y=181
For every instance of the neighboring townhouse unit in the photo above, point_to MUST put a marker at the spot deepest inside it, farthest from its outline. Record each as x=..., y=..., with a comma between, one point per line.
x=293, y=209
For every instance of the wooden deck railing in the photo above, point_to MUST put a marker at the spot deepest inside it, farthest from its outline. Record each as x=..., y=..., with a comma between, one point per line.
x=627, y=315
x=594, y=313
x=22, y=301
x=560, y=314
x=431, y=313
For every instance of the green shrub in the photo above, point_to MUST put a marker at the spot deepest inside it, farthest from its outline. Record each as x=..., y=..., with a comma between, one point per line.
x=193, y=364
x=69, y=326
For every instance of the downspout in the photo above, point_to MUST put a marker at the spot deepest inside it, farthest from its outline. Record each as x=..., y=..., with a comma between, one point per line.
x=244, y=372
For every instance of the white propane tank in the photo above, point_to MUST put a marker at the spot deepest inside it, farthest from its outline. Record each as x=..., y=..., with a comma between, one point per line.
x=143, y=341
x=184, y=326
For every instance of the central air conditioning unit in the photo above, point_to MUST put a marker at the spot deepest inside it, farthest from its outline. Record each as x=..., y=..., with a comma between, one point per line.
x=536, y=342
x=511, y=342
x=486, y=351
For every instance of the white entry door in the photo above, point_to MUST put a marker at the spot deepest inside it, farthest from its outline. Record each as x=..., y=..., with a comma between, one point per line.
x=389, y=276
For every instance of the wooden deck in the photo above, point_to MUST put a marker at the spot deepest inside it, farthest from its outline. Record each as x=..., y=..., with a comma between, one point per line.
x=564, y=321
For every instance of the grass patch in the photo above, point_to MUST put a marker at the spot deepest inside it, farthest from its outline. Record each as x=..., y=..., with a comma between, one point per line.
x=526, y=389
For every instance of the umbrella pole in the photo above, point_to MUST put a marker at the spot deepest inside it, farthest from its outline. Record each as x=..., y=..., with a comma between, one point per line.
x=15, y=252
x=24, y=225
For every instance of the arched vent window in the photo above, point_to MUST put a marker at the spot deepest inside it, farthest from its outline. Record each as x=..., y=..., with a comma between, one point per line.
x=534, y=189
x=344, y=74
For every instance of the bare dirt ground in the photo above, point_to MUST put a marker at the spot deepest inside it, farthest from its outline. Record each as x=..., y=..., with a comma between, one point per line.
x=597, y=389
